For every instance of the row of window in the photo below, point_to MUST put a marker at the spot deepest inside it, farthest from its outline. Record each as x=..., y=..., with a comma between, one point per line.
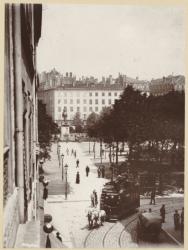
x=85, y=101
x=84, y=116
x=91, y=93
x=78, y=109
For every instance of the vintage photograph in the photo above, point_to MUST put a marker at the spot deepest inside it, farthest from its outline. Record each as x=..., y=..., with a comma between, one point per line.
x=94, y=120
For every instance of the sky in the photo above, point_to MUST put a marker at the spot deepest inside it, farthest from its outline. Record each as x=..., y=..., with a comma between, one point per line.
x=101, y=40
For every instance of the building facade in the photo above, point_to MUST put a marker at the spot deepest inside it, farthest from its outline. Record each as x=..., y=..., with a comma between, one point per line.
x=84, y=100
x=164, y=85
x=22, y=33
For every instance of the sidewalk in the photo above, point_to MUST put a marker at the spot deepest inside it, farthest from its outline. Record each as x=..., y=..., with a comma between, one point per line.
x=69, y=216
x=176, y=202
x=168, y=227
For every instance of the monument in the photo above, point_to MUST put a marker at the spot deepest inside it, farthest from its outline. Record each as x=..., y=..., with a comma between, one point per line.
x=65, y=129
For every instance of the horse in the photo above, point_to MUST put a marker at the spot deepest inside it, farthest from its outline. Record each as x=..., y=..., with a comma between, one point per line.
x=95, y=218
x=89, y=217
x=102, y=216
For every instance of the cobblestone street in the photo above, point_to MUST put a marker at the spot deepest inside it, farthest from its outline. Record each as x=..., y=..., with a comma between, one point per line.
x=69, y=216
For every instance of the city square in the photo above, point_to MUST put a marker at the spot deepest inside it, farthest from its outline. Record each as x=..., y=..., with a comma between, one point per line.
x=94, y=126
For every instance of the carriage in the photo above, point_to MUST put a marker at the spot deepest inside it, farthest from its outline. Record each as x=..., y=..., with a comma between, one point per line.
x=149, y=226
x=119, y=197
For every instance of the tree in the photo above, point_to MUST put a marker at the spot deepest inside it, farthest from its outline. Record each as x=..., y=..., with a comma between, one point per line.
x=91, y=124
x=78, y=123
x=91, y=128
x=46, y=128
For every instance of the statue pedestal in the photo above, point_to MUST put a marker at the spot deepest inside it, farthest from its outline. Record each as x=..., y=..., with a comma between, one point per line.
x=65, y=131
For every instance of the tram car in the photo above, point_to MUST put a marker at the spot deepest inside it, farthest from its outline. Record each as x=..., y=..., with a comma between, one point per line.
x=119, y=197
x=148, y=226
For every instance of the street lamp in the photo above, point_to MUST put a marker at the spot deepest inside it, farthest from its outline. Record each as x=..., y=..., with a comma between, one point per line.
x=113, y=155
x=62, y=157
x=66, y=167
x=58, y=152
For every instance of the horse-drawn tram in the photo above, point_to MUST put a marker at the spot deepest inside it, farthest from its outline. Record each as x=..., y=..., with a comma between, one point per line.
x=119, y=197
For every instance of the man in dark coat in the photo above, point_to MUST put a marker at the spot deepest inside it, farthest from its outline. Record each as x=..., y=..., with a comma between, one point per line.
x=58, y=236
x=45, y=193
x=152, y=200
x=77, y=163
x=176, y=220
x=77, y=178
x=87, y=171
x=162, y=213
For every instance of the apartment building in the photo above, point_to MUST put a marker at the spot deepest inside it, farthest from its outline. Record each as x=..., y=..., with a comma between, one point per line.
x=78, y=99
x=22, y=33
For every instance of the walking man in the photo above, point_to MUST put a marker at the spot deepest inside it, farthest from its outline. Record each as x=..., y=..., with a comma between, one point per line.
x=176, y=220
x=58, y=236
x=162, y=213
x=87, y=171
x=45, y=193
x=77, y=178
x=152, y=200
x=72, y=152
x=99, y=172
x=67, y=151
x=77, y=163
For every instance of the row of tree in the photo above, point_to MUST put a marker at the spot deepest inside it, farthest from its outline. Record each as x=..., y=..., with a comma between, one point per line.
x=151, y=126
x=46, y=129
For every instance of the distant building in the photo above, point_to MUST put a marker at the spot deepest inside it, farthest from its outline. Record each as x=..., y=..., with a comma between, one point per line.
x=141, y=85
x=81, y=99
x=55, y=79
x=22, y=33
x=164, y=85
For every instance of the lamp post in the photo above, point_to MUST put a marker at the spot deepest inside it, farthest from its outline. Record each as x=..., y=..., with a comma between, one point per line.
x=66, y=167
x=58, y=152
x=113, y=155
x=62, y=157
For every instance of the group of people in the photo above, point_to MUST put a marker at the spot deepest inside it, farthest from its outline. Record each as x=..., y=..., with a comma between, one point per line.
x=178, y=218
x=179, y=221
x=101, y=171
x=73, y=152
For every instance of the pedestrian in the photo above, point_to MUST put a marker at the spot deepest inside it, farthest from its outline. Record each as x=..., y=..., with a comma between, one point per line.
x=45, y=193
x=99, y=172
x=75, y=153
x=77, y=178
x=95, y=198
x=72, y=152
x=162, y=213
x=182, y=223
x=58, y=236
x=103, y=171
x=87, y=171
x=67, y=151
x=152, y=200
x=92, y=200
x=77, y=163
x=176, y=220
